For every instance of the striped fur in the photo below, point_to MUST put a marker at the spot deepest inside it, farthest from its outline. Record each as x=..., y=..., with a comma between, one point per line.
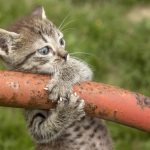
x=63, y=128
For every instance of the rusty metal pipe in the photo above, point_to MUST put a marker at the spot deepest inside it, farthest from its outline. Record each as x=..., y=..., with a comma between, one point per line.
x=104, y=101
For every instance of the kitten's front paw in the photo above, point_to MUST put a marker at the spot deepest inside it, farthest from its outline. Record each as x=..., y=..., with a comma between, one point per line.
x=72, y=107
x=58, y=89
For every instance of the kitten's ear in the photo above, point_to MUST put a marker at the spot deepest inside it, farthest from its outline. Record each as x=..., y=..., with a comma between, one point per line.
x=6, y=40
x=39, y=12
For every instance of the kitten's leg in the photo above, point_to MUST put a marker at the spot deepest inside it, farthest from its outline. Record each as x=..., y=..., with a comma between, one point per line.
x=45, y=126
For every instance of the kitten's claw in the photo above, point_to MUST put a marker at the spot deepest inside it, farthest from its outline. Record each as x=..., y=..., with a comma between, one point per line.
x=46, y=88
x=60, y=99
x=75, y=94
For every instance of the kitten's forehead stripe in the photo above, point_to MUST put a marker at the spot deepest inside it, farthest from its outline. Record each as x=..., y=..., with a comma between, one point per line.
x=44, y=39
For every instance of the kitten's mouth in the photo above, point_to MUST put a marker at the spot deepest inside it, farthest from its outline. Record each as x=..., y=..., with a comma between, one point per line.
x=57, y=60
x=60, y=61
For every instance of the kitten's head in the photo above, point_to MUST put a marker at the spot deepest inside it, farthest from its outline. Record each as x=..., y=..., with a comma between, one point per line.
x=33, y=44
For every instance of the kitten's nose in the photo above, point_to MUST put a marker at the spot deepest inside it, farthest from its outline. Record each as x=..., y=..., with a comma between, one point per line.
x=63, y=54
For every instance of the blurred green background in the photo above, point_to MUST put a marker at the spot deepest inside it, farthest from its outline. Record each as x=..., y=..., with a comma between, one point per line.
x=116, y=36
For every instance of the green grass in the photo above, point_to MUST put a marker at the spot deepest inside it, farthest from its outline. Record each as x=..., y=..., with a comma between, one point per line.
x=119, y=52
x=13, y=132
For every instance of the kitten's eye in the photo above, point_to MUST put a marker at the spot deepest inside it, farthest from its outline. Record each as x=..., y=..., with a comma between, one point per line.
x=44, y=51
x=62, y=42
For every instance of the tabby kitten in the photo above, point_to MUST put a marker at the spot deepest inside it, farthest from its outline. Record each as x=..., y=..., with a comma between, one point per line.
x=35, y=45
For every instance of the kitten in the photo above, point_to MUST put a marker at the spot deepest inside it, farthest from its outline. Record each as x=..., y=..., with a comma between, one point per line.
x=35, y=45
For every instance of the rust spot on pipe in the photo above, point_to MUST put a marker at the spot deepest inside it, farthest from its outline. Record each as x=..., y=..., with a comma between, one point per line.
x=142, y=101
x=14, y=85
x=90, y=108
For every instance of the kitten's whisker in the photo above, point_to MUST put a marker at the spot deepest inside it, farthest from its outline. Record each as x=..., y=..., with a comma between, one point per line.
x=90, y=54
x=63, y=21
x=65, y=25
x=67, y=29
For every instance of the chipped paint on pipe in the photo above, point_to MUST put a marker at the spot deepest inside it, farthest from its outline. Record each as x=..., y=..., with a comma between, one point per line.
x=104, y=101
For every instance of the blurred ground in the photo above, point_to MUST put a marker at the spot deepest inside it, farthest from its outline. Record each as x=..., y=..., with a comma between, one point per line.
x=116, y=36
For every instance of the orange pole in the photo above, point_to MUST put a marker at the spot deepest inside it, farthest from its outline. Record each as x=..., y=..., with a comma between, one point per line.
x=104, y=101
